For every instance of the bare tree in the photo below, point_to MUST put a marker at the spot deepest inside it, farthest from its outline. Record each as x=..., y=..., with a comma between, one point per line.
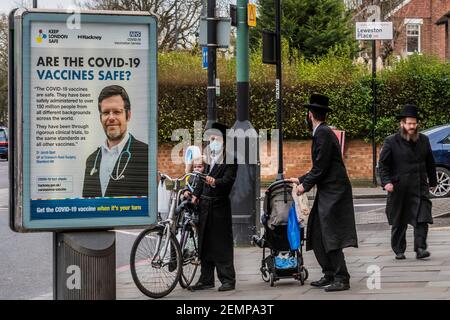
x=178, y=19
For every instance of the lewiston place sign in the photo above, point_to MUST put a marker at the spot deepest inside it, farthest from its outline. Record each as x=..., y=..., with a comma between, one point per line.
x=374, y=30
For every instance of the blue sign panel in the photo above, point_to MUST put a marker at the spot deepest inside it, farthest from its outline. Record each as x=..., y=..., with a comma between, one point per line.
x=205, y=57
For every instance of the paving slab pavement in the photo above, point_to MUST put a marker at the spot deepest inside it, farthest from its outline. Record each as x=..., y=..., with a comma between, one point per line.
x=405, y=280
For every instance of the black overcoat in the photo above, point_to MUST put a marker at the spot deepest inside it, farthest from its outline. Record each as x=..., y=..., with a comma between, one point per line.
x=410, y=167
x=215, y=220
x=135, y=181
x=333, y=204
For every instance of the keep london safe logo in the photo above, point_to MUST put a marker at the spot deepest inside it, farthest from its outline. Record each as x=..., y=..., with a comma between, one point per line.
x=52, y=36
x=41, y=37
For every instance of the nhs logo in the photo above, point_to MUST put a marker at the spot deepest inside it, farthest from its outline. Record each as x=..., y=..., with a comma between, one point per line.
x=135, y=34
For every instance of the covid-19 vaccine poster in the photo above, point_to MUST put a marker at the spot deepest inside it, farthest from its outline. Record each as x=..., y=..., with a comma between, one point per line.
x=89, y=107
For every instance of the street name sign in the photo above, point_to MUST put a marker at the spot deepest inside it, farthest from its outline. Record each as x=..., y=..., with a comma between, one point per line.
x=374, y=30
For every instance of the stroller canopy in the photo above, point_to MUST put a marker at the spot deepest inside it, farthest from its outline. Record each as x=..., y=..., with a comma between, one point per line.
x=277, y=203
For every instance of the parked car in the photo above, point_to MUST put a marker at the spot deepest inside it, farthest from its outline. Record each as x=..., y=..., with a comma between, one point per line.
x=440, y=144
x=3, y=143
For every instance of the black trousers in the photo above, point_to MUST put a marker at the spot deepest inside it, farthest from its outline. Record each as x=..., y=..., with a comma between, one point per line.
x=225, y=272
x=398, y=237
x=332, y=262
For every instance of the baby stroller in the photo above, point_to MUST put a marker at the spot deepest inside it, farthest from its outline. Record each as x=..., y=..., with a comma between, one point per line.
x=282, y=262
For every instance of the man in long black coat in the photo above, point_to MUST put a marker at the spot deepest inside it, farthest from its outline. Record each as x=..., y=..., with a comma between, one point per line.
x=331, y=224
x=215, y=220
x=407, y=171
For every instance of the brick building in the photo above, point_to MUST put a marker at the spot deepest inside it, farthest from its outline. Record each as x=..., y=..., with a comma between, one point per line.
x=420, y=26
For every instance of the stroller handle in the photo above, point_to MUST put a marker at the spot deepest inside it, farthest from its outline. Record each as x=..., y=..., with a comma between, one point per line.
x=284, y=181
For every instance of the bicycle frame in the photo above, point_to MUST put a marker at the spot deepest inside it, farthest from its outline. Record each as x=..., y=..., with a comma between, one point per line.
x=170, y=223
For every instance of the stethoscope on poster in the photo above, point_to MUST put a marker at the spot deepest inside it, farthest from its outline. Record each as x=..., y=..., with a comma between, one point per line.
x=118, y=176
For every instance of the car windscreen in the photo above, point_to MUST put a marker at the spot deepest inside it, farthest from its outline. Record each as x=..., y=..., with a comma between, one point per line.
x=2, y=135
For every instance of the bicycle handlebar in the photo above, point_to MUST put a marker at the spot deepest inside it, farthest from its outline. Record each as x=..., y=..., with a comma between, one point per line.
x=195, y=173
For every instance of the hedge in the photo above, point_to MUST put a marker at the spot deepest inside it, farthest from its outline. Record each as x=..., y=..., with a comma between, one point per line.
x=422, y=80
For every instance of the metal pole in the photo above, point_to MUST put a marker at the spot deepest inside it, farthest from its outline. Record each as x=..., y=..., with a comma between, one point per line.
x=55, y=265
x=212, y=69
x=242, y=64
x=374, y=110
x=34, y=3
x=245, y=194
x=278, y=88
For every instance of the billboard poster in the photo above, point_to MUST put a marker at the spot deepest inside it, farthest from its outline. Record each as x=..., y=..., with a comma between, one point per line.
x=89, y=99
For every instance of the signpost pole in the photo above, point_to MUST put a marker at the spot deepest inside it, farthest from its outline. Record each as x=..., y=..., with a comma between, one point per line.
x=278, y=88
x=373, y=31
x=374, y=111
x=212, y=55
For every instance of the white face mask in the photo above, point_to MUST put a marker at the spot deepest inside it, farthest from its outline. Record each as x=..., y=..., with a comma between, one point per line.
x=216, y=146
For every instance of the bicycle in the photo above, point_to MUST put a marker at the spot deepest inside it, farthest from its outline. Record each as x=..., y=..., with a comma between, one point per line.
x=158, y=259
x=188, y=240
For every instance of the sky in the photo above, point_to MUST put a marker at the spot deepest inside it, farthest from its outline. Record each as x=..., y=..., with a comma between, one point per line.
x=7, y=5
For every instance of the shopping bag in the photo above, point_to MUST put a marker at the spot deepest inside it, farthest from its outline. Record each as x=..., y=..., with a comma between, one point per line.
x=301, y=205
x=293, y=229
x=163, y=199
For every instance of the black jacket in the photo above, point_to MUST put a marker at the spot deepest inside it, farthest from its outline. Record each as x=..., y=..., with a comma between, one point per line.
x=215, y=220
x=410, y=167
x=135, y=181
x=333, y=205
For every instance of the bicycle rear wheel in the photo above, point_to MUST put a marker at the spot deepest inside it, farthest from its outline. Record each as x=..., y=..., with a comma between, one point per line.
x=190, y=256
x=155, y=275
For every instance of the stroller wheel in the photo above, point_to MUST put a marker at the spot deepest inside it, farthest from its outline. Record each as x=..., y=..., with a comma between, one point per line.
x=306, y=273
x=303, y=276
x=265, y=274
x=271, y=279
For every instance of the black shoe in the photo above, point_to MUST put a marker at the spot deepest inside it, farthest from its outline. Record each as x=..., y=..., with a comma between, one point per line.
x=201, y=286
x=226, y=287
x=422, y=253
x=400, y=256
x=324, y=281
x=338, y=285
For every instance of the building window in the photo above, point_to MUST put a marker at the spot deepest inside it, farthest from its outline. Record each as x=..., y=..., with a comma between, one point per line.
x=412, y=38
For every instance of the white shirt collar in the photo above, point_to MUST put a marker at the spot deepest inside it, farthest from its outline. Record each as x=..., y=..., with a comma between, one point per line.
x=118, y=147
x=214, y=160
x=315, y=128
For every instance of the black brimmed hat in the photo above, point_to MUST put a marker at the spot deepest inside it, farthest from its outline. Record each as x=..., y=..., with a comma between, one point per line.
x=409, y=111
x=221, y=127
x=318, y=103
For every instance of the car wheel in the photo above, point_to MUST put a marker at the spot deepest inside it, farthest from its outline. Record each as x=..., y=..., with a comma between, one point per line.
x=443, y=180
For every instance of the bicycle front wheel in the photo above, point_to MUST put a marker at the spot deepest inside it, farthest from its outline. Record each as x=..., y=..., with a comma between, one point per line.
x=190, y=256
x=155, y=262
